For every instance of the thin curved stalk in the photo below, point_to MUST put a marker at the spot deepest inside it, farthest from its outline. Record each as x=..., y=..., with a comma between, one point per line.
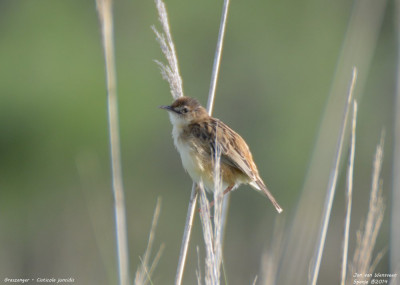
x=210, y=104
x=332, y=186
x=217, y=58
x=186, y=235
x=349, y=195
x=104, y=8
x=170, y=72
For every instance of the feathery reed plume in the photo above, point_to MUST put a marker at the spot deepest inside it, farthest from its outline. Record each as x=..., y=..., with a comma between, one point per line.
x=349, y=194
x=145, y=270
x=366, y=236
x=332, y=186
x=169, y=72
x=104, y=9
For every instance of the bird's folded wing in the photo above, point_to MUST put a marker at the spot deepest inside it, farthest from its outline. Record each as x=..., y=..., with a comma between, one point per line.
x=234, y=149
x=214, y=133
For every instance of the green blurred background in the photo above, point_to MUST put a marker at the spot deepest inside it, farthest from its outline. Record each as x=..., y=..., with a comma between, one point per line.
x=279, y=60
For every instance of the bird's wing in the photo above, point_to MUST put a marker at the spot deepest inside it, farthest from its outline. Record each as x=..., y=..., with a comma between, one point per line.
x=235, y=150
x=214, y=133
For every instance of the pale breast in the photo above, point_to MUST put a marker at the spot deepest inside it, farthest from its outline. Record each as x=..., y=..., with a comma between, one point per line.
x=190, y=160
x=195, y=160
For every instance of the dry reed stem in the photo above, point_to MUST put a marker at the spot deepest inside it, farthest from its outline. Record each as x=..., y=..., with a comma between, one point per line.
x=349, y=195
x=211, y=97
x=217, y=58
x=186, y=235
x=212, y=235
x=170, y=72
x=218, y=201
x=104, y=9
x=332, y=186
x=209, y=276
x=144, y=272
x=214, y=242
x=366, y=238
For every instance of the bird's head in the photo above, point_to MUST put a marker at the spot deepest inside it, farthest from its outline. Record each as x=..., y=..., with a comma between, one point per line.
x=185, y=110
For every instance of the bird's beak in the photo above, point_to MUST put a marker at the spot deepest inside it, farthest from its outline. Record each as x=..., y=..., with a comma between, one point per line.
x=168, y=108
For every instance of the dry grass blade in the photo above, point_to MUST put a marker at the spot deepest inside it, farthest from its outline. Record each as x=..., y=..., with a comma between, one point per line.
x=366, y=238
x=349, y=195
x=332, y=186
x=169, y=72
x=104, y=9
x=144, y=272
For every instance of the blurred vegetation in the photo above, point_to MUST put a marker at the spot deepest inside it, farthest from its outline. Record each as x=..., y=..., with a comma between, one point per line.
x=279, y=59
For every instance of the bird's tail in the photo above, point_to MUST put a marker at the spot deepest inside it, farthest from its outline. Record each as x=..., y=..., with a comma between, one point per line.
x=259, y=185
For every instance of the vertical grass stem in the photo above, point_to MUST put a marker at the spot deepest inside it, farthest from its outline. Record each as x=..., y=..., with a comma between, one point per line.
x=331, y=187
x=349, y=195
x=104, y=8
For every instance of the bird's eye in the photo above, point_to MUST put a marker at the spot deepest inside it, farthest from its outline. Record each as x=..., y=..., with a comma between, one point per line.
x=185, y=110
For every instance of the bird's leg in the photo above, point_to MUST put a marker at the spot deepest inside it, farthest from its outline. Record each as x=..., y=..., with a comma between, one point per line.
x=226, y=191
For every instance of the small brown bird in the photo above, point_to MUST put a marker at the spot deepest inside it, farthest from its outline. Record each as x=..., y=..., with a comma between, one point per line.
x=197, y=135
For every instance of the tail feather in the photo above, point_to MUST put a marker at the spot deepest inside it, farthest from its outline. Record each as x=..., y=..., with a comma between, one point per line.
x=259, y=185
